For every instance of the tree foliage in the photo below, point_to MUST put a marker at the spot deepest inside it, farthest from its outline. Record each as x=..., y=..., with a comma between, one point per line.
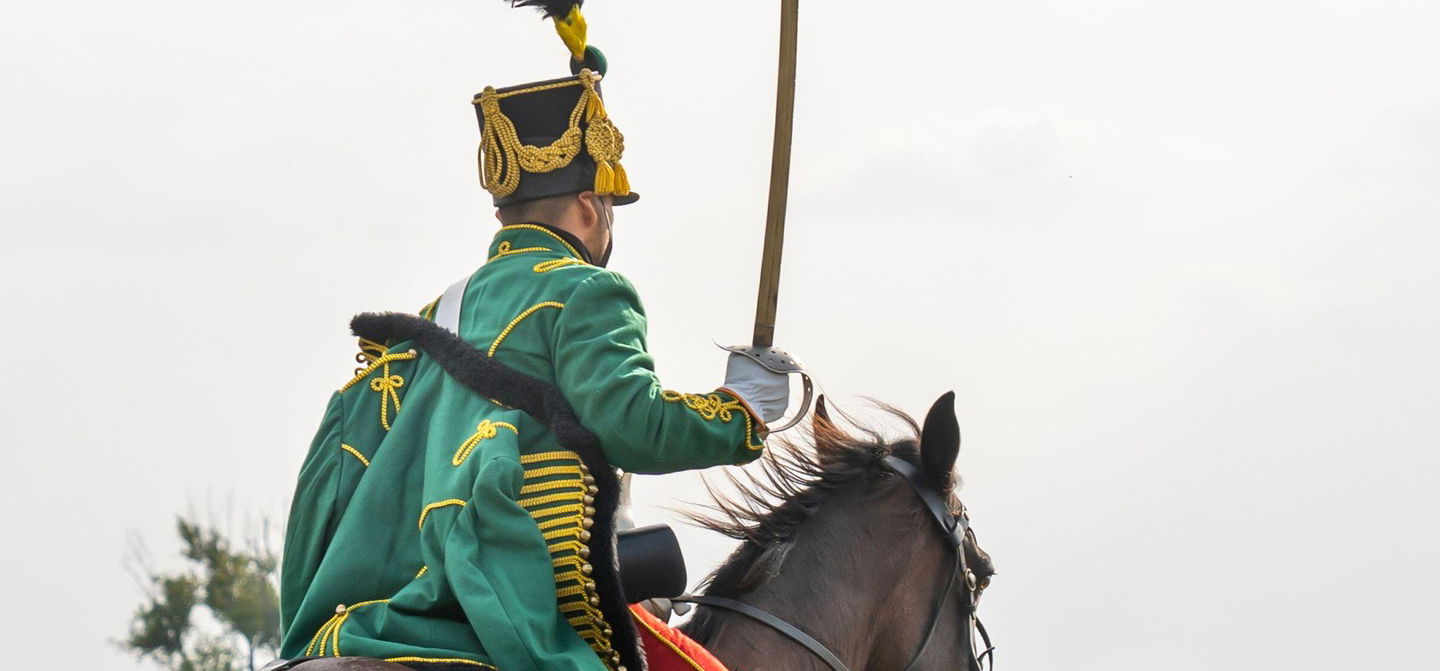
x=225, y=585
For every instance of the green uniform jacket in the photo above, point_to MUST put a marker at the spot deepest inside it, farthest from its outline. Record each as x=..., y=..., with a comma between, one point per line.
x=433, y=524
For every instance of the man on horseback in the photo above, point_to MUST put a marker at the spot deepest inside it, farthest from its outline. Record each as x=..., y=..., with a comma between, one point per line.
x=448, y=513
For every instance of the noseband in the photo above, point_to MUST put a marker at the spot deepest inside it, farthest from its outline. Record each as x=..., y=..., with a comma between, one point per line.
x=953, y=527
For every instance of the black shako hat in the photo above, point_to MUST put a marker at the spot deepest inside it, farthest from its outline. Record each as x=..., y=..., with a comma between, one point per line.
x=550, y=138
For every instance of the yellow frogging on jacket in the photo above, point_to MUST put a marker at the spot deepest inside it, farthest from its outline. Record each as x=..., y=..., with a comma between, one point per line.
x=559, y=493
x=485, y=430
x=386, y=384
x=712, y=407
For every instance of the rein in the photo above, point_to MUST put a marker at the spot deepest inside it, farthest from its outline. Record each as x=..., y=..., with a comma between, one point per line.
x=789, y=630
x=954, y=528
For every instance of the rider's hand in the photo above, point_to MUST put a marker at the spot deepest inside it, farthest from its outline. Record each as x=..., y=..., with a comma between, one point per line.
x=766, y=392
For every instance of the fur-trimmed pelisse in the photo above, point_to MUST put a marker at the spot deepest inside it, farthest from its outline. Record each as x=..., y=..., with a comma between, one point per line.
x=543, y=401
x=552, y=9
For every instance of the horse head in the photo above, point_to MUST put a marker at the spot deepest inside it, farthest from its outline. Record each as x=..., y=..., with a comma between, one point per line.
x=857, y=541
x=939, y=448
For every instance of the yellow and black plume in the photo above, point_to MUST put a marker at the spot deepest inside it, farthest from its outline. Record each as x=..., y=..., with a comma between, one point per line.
x=552, y=9
x=569, y=23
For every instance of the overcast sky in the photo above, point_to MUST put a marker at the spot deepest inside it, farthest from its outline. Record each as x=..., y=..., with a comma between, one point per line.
x=1176, y=259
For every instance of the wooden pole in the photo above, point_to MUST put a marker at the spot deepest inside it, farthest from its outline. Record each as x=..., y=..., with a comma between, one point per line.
x=769, y=294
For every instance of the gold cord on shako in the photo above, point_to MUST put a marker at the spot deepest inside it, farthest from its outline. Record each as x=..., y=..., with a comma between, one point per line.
x=532, y=134
x=503, y=157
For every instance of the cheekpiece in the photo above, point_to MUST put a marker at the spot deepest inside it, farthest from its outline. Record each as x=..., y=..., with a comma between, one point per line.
x=550, y=138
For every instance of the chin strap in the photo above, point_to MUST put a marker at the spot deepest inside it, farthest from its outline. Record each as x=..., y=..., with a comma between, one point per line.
x=610, y=229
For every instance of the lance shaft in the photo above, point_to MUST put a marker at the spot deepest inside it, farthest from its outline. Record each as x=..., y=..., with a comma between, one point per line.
x=769, y=294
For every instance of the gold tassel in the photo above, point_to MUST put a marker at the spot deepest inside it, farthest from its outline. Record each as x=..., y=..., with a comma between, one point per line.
x=604, y=179
x=622, y=181
x=596, y=107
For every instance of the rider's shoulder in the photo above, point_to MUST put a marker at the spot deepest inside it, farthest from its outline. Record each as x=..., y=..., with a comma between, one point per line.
x=588, y=281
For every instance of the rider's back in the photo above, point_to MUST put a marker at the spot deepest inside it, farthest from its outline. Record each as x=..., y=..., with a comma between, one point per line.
x=431, y=523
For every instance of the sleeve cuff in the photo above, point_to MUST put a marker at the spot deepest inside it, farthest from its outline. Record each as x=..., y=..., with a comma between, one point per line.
x=756, y=421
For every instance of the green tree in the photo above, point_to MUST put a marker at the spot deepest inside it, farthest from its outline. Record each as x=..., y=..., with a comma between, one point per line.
x=233, y=585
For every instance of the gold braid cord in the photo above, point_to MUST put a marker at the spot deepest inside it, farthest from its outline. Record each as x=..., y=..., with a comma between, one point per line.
x=503, y=158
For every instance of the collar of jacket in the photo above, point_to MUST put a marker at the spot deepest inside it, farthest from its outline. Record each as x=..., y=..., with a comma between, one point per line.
x=525, y=238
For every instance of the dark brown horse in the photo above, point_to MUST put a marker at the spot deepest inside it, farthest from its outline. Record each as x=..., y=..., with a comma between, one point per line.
x=837, y=543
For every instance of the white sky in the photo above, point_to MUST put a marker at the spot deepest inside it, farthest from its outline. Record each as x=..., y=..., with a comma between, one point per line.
x=1177, y=260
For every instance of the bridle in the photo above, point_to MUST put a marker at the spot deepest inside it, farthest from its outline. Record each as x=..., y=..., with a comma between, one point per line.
x=954, y=528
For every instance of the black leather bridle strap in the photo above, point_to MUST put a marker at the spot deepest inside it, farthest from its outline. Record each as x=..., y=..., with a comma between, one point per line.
x=989, y=647
x=934, y=618
x=952, y=526
x=773, y=622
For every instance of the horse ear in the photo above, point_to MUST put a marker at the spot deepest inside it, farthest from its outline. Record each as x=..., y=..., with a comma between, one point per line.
x=824, y=432
x=940, y=442
x=822, y=429
x=822, y=413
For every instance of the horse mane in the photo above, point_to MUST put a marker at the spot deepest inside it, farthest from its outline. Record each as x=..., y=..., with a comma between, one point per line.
x=772, y=502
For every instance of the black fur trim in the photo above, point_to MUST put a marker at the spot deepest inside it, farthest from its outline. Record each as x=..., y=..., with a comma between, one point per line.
x=543, y=401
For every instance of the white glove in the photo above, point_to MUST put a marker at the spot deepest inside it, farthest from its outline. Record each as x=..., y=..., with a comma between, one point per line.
x=765, y=391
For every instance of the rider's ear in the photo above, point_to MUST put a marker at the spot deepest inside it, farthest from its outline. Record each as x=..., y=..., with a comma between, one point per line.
x=588, y=202
x=940, y=442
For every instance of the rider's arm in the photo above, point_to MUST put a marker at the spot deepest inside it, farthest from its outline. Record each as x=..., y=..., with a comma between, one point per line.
x=605, y=372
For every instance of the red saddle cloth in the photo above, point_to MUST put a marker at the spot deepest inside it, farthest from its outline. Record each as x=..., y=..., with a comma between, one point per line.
x=667, y=649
